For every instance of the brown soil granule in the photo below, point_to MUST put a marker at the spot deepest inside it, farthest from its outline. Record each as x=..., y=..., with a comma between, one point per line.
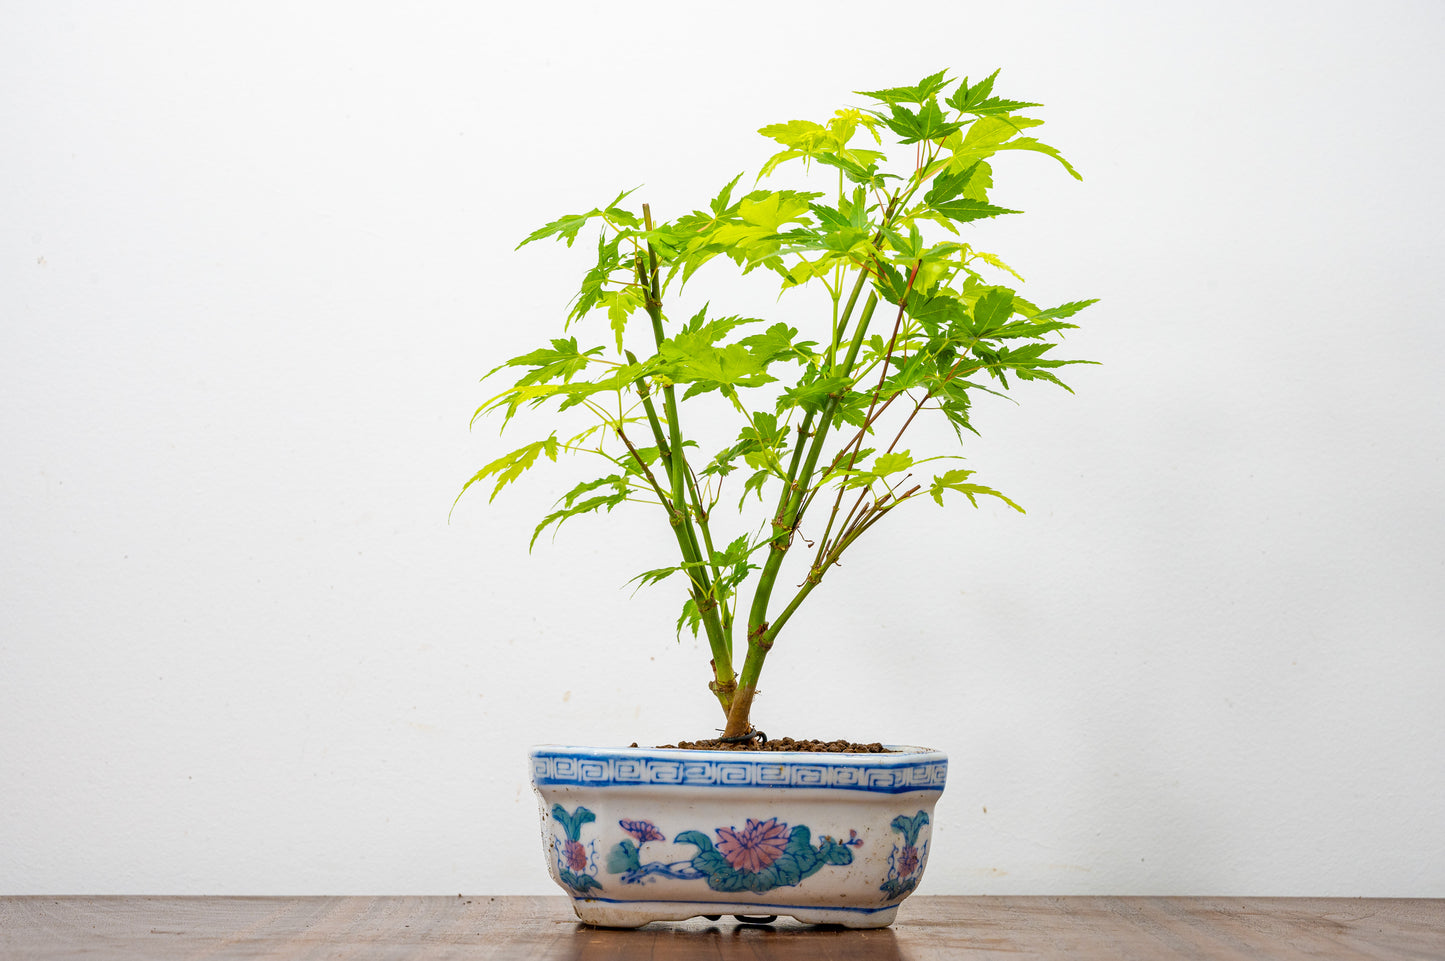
x=780, y=744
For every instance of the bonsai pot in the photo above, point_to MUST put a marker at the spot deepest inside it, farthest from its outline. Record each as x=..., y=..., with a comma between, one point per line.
x=646, y=834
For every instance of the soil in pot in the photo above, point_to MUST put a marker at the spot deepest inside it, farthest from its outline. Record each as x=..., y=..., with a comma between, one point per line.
x=779, y=744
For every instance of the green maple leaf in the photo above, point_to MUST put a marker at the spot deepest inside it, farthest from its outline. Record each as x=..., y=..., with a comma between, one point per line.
x=892, y=463
x=692, y=358
x=991, y=311
x=1063, y=310
x=920, y=93
x=567, y=227
x=754, y=235
x=949, y=185
x=803, y=135
x=957, y=480
x=978, y=100
x=1029, y=143
x=776, y=343
x=510, y=466
x=572, y=506
x=564, y=360
x=992, y=131
x=963, y=210
x=928, y=123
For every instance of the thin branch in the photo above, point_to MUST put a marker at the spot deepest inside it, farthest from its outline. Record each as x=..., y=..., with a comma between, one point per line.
x=873, y=404
x=647, y=471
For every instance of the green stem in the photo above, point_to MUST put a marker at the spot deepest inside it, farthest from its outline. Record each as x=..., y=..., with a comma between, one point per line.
x=840, y=326
x=760, y=634
x=795, y=493
x=723, y=683
x=702, y=525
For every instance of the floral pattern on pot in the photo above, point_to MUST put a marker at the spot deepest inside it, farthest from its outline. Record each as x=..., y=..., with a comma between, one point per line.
x=762, y=855
x=576, y=862
x=905, y=864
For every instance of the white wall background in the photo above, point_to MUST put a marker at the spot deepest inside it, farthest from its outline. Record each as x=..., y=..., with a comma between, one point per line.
x=253, y=259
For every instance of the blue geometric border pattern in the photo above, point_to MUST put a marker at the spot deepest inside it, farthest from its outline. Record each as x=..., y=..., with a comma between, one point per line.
x=614, y=769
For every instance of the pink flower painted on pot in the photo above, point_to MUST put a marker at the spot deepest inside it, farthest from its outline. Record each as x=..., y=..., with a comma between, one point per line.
x=644, y=831
x=576, y=855
x=755, y=847
x=908, y=861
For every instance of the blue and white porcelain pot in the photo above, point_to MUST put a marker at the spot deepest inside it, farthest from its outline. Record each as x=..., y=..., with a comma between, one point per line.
x=647, y=834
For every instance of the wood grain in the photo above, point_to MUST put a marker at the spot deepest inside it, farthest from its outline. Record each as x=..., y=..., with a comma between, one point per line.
x=543, y=929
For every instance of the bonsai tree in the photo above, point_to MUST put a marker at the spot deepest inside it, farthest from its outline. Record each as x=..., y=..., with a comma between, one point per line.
x=917, y=319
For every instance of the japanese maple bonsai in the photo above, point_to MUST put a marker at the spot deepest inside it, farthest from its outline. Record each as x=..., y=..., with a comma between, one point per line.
x=916, y=320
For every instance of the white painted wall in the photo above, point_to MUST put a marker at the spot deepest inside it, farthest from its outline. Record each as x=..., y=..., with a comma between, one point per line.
x=253, y=259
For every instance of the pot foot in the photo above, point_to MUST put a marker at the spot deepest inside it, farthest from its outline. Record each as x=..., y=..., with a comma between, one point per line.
x=634, y=914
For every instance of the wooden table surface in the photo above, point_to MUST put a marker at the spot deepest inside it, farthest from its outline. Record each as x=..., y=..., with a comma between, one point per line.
x=1079, y=928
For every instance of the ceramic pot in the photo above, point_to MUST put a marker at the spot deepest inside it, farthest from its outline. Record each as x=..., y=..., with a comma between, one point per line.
x=645, y=834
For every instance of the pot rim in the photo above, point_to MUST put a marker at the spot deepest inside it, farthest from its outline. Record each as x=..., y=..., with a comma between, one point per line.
x=906, y=770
